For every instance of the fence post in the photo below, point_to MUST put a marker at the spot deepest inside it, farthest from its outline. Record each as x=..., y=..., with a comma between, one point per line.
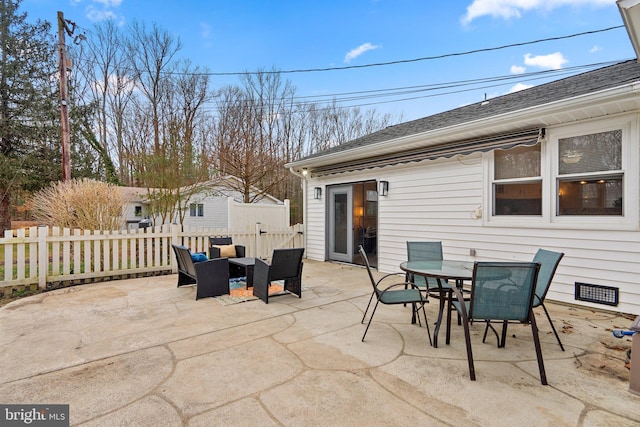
x=287, y=213
x=258, y=240
x=175, y=228
x=43, y=256
x=299, y=228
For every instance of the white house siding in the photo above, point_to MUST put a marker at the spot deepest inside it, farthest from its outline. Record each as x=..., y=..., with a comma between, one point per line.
x=129, y=218
x=133, y=197
x=215, y=212
x=315, y=221
x=244, y=215
x=436, y=200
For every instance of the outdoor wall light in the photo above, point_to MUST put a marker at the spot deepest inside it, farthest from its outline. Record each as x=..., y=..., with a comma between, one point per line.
x=383, y=188
x=317, y=193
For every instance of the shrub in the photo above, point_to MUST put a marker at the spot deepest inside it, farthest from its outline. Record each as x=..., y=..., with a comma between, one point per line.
x=80, y=203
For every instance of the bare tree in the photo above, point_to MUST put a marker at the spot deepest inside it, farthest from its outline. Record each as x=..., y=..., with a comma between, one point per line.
x=333, y=124
x=115, y=91
x=254, y=125
x=189, y=96
x=103, y=89
x=178, y=170
x=150, y=53
x=261, y=127
x=150, y=114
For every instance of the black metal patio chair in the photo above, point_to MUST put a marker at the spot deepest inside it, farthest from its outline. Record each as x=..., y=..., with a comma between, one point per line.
x=408, y=293
x=549, y=261
x=430, y=251
x=502, y=300
x=425, y=251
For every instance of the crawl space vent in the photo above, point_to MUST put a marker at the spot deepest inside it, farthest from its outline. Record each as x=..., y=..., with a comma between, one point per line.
x=600, y=294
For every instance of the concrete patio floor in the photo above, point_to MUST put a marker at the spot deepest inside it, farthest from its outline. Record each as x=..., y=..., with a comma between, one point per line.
x=143, y=352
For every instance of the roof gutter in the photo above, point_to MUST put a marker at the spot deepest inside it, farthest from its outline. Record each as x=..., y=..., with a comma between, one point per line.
x=456, y=132
x=630, y=12
x=303, y=183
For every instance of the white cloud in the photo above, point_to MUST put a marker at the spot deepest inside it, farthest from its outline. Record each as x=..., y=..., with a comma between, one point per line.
x=516, y=69
x=205, y=30
x=100, y=10
x=508, y=9
x=595, y=49
x=108, y=3
x=553, y=61
x=96, y=15
x=354, y=53
x=206, y=34
x=519, y=87
x=113, y=83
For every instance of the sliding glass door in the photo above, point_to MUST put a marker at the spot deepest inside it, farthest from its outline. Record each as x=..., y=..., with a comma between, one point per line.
x=353, y=221
x=341, y=223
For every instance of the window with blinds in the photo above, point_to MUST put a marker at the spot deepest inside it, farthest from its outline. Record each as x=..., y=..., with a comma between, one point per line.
x=517, y=183
x=590, y=176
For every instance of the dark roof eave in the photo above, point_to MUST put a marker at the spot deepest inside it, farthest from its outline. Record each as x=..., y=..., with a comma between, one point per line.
x=539, y=100
x=391, y=138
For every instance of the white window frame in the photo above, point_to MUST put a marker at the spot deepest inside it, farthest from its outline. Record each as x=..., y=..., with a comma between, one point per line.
x=629, y=218
x=520, y=180
x=549, y=170
x=198, y=208
x=516, y=220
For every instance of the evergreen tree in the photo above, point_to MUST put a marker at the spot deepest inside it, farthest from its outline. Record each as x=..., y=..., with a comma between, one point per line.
x=29, y=114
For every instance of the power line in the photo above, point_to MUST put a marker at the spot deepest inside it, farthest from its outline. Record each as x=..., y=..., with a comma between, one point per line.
x=405, y=61
x=415, y=90
x=432, y=90
x=443, y=85
x=402, y=61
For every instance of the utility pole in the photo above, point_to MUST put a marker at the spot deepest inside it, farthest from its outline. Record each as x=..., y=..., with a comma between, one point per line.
x=64, y=105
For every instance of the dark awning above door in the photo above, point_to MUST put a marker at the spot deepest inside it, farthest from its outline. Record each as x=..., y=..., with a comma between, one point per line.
x=502, y=141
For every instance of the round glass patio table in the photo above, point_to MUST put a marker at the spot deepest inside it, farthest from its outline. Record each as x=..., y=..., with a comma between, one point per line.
x=457, y=271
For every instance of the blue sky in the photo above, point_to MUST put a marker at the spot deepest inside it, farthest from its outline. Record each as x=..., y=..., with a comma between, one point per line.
x=241, y=35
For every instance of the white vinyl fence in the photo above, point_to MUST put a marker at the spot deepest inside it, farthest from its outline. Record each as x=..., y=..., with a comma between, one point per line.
x=54, y=257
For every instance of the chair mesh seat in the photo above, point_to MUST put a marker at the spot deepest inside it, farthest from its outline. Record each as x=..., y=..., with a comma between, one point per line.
x=401, y=296
x=397, y=293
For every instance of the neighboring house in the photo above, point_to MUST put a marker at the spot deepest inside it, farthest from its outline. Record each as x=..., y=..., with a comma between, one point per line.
x=136, y=207
x=555, y=166
x=209, y=207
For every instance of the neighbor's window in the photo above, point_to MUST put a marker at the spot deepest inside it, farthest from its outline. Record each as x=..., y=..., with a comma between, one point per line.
x=138, y=211
x=196, y=209
x=590, y=175
x=517, y=183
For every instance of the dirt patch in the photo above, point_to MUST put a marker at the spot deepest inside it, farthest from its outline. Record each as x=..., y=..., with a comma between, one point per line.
x=607, y=365
x=10, y=294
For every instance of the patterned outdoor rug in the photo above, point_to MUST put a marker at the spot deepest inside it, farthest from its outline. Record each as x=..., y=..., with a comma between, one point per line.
x=239, y=292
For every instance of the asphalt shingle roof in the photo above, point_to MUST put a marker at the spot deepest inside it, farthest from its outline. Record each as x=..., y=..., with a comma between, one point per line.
x=570, y=87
